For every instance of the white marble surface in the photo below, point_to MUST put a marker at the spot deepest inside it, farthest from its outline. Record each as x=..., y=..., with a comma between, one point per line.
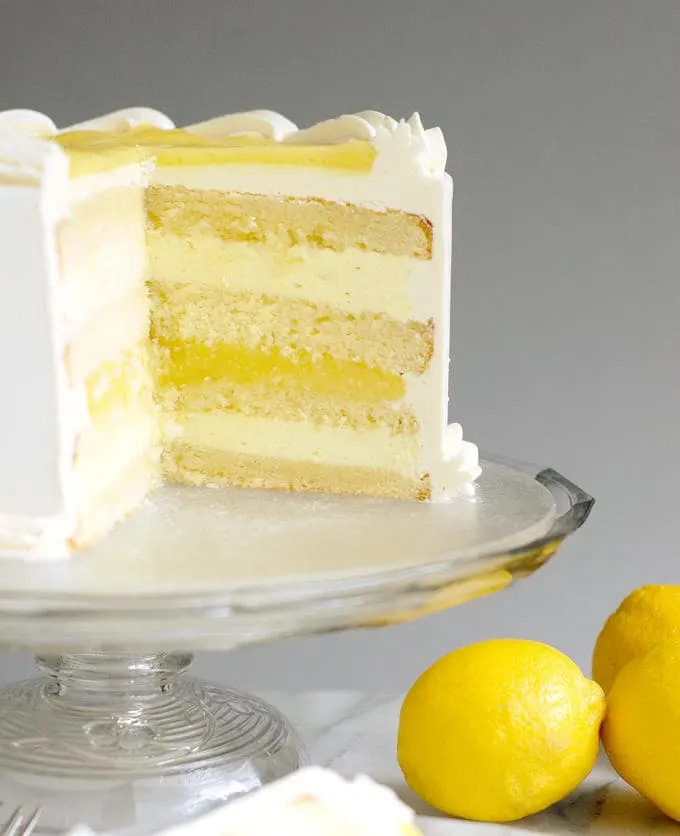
x=355, y=733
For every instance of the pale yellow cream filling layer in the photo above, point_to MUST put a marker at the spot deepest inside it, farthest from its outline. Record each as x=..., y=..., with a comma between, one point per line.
x=353, y=281
x=272, y=438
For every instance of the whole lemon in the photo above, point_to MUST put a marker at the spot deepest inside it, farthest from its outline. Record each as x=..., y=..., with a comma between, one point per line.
x=649, y=615
x=641, y=732
x=498, y=730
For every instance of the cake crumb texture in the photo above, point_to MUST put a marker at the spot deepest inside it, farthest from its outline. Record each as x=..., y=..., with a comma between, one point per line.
x=198, y=466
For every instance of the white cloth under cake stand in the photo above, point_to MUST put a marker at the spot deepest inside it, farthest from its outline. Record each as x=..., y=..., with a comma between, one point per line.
x=353, y=733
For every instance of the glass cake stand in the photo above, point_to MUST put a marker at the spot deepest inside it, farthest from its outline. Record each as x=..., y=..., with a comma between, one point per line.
x=115, y=734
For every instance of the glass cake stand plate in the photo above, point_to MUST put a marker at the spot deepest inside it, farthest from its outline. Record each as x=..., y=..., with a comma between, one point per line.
x=116, y=735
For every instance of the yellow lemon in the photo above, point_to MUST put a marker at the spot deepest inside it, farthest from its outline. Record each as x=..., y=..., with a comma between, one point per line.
x=649, y=615
x=641, y=732
x=498, y=730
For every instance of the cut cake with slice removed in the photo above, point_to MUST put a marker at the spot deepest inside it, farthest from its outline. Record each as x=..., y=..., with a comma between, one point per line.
x=299, y=287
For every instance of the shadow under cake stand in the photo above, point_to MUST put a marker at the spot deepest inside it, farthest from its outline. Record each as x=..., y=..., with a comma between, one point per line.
x=115, y=735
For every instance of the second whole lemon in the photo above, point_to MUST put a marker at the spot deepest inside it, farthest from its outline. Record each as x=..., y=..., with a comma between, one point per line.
x=641, y=732
x=499, y=730
x=649, y=615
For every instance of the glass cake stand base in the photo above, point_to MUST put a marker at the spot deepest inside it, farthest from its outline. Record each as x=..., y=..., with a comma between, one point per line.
x=116, y=737
x=131, y=742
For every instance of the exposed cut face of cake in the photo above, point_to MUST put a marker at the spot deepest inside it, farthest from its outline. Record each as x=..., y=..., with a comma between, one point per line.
x=311, y=802
x=280, y=297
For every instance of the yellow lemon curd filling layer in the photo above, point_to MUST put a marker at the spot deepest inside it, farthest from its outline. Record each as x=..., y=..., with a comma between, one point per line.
x=187, y=363
x=92, y=151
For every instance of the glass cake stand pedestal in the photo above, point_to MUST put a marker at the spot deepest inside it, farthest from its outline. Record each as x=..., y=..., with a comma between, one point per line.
x=116, y=735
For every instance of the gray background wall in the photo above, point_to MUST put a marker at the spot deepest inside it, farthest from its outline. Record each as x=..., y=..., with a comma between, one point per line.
x=563, y=124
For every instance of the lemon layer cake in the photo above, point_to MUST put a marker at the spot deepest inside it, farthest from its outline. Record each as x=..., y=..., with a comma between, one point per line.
x=297, y=284
x=311, y=802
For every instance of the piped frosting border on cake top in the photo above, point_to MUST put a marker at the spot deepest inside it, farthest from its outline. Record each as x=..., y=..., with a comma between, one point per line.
x=404, y=142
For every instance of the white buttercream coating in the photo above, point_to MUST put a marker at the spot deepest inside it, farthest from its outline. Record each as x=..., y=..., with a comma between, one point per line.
x=39, y=421
x=23, y=157
x=265, y=123
x=120, y=120
x=27, y=123
x=332, y=131
x=39, y=497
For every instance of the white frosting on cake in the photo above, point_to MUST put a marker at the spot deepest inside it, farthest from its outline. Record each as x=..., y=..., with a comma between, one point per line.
x=36, y=498
x=23, y=158
x=26, y=122
x=36, y=447
x=311, y=802
x=43, y=414
x=265, y=123
x=120, y=120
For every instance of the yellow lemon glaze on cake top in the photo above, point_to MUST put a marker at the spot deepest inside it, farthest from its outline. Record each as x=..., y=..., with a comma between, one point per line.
x=95, y=151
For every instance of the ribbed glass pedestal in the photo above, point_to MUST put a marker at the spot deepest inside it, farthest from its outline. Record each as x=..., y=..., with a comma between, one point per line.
x=121, y=741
